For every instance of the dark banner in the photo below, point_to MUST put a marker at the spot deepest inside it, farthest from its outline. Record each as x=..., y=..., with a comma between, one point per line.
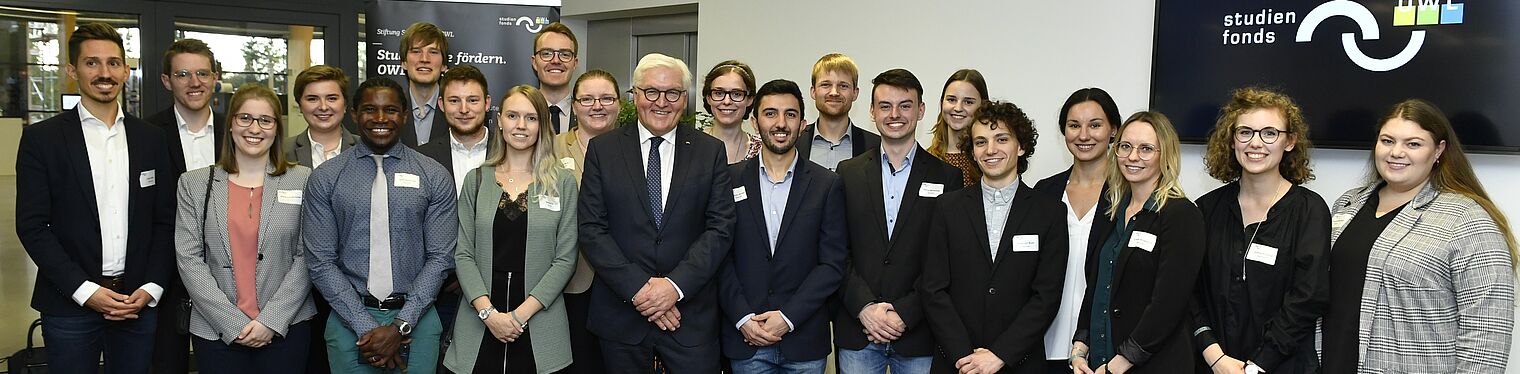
x=1345, y=62
x=496, y=38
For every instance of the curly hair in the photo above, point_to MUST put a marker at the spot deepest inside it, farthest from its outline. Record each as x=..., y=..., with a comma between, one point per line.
x=994, y=113
x=1220, y=156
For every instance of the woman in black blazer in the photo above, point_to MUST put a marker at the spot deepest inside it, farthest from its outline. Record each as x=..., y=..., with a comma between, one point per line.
x=1134, y=317
x=1265, y=276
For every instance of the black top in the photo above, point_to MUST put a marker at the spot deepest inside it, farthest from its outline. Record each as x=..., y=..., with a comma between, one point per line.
x=1256, y=311
x=1349, y=259
x=510, y=243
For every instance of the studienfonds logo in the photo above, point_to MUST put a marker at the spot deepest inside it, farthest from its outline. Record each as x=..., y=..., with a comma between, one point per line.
x=532, y=24
x=1405, y=13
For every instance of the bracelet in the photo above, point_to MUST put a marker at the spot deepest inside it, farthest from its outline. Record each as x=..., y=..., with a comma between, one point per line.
x=1216, y=361
x=519, y=321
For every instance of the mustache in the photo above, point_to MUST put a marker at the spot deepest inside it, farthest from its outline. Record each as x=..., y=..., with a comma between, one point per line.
x=103, y=80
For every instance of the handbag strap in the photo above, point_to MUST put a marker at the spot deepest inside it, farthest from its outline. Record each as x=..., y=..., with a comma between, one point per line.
x=206, y=206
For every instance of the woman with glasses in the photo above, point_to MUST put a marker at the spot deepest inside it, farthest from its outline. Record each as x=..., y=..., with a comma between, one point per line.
x=238, y=247
x=1088, y=121
x=597, y=105
x=516, y=249
x=726, y=95
x=1140, y=283
x=1421, y=260
x=963, y=93
x=1265, y=278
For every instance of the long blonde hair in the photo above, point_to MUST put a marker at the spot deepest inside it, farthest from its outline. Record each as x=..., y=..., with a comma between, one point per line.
x=546, y=167
x=1168, y=185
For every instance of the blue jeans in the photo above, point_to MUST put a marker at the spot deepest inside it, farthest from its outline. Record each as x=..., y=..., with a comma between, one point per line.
x=75, y=342
x=422, y=358
x=875, y=358
x=769, y=360
x=284, y=354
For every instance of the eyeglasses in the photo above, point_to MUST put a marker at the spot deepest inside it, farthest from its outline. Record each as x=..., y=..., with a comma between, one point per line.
x=718, y=95
x=182, y=74
x=1124, y=149
x=1268, y=135
x=245, y=120
x=651, y=94
x=547, y=55
x=587, y=101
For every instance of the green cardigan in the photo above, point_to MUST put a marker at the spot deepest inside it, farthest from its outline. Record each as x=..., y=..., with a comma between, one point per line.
x=550, y=260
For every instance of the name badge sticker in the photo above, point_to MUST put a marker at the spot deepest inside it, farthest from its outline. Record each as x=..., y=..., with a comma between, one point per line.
x=549, y=203
x=1026, y=243
x=931, y=189
x=147, y=179
x=1143, y=240
x=740, y=194
x=408, y=180
x=292, y=197
x=1262, y=253
x=568, y=163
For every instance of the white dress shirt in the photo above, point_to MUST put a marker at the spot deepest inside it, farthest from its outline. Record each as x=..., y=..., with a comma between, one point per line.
x=198, y=147
x=667, y=162
x=1058, y=337
x=565, y=106
x=466, y=158
x=110, y=172
x=320, y=154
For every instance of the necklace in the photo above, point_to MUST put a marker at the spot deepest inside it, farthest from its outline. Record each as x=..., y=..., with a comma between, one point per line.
x=510, y=178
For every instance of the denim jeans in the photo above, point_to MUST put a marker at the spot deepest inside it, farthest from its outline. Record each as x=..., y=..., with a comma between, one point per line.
x=75, y=342
x=768, y=360
x=876, y=358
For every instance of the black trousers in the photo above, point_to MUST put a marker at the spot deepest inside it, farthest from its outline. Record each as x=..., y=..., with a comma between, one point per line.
x=678, y=359
x=171, y=349
x=584, y=346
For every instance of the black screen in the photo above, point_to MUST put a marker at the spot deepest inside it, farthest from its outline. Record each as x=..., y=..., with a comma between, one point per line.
x=1205, y=49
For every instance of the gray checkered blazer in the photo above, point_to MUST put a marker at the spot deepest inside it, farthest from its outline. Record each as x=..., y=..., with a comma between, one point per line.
x=1440, y=291
x=284, y=290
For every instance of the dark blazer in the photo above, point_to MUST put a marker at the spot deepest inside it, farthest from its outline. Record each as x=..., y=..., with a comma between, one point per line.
x=1005, y=304
x=300, y=146
x=860, y=141
x=803, y=274
x=165, y=121
x=618, y=234
x=1055, y=187
x=882, y=270
x=56, y=216
x=440, y=125
x=443, y=152
x=1151, y=290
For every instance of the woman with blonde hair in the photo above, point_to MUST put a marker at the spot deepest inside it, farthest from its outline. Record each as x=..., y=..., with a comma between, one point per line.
x=1265, y=276
x=1422, y=277
x=516, y=249
x=1134, y=317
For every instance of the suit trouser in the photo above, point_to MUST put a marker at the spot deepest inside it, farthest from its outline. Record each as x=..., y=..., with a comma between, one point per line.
x=171, y=349
x=343, y=355
x=679, y=359
x=284, y=354
x=75, y=343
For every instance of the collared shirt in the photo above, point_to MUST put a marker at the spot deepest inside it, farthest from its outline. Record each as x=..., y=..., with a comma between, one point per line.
x=565, y=113
x=110, y=173
x=829, y=154
x=894, y=183
x=997, y=201
x=773, y=198
x=319, y=153
x=422, y=116
x=466, y=158
x=1101, y=334
x=1058, y=338
x=336, y=233
x=199, y=147
x=667, y=162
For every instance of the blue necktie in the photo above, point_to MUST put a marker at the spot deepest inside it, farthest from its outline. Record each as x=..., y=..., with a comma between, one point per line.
x=652, y=177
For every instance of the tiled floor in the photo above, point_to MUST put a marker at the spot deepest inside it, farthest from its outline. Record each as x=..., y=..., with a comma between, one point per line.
x=16, y=276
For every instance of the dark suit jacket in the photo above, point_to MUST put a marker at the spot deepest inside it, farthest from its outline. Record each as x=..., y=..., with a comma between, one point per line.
x=56, y=216
x=860, y=141
x=298, y=148
x=618, y=235
x=800, y=278
x=1055, y=187
x=882, y=270
x=1151, y=290
x=1004, y=304
x=165, y=120
x=443, y=152
x=440, y=125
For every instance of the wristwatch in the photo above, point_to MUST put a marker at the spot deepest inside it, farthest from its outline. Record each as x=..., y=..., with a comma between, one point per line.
x=404, y=326
x=484, y=313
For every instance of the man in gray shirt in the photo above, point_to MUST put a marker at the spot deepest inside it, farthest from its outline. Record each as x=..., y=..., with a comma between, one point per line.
x=834, y=138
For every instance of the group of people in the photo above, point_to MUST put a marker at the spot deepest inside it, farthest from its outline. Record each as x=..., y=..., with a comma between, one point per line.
x=416, y=228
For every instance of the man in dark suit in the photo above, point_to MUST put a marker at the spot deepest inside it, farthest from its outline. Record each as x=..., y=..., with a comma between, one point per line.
x=554, y=61
x=464, y=99
x=656, y=245
x=785, y=265
x=888, y=194
x=95, y=211
x=423, y=52
x=834, y=137
x=192, y=132
x=322, y=96
x=994, y=284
